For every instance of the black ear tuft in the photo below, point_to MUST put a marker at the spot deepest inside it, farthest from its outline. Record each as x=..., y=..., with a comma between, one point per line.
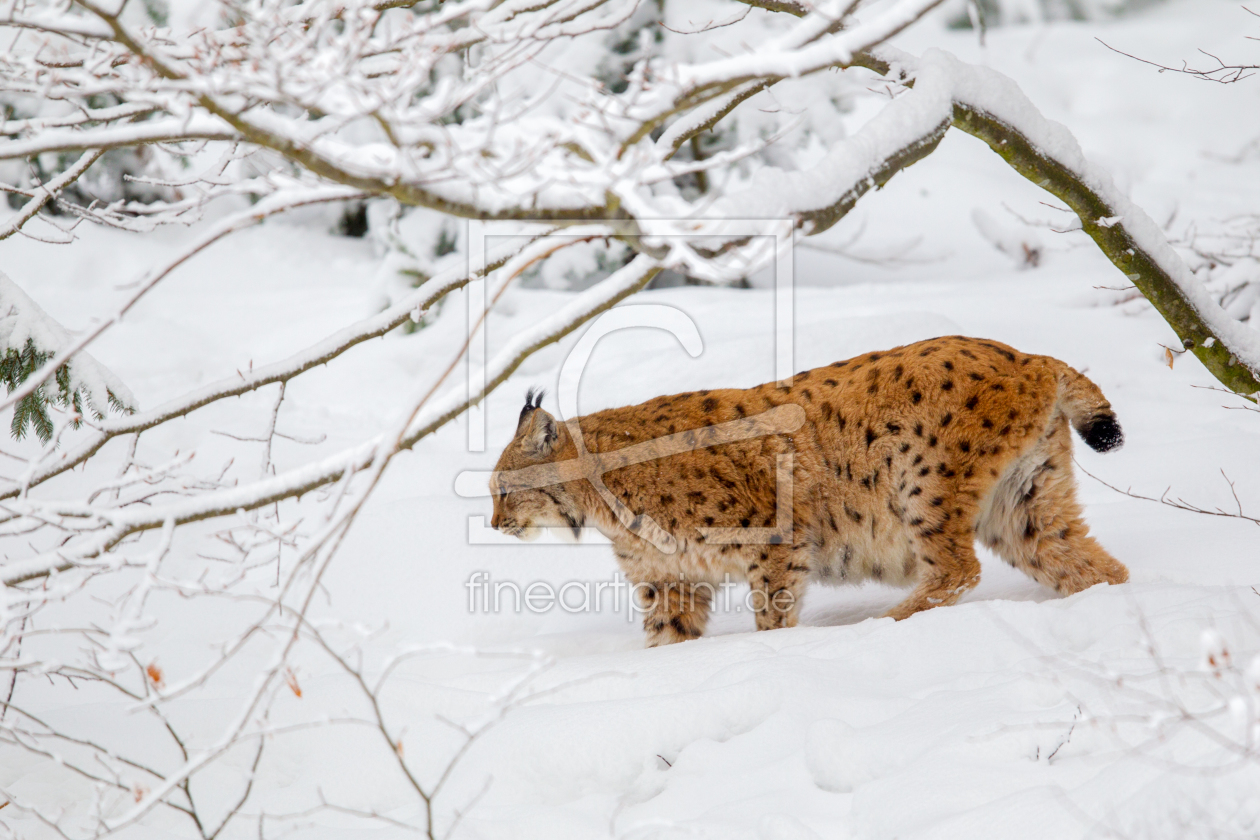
x=1102, y=433
x=533, y=400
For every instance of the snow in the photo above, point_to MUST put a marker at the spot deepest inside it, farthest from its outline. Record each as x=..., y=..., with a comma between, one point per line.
x=1012, y=714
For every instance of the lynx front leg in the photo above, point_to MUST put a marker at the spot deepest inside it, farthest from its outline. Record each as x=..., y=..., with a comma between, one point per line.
x=674, y=611
x=777, y=576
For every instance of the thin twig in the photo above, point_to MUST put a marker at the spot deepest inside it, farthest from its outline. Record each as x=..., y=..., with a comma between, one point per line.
x=1226, y=74
x=1180, y=504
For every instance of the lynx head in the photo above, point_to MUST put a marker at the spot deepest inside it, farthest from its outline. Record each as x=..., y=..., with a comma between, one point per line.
x=520, y=507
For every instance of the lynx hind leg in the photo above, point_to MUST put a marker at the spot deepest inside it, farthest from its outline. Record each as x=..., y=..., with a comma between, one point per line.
x=948, y=567
x=673, y=611
x=1034, y=522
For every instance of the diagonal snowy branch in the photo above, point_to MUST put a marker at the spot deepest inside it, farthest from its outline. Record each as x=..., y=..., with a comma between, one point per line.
x=790, y=57
x=45, y=193
x=278, y=203
x=297, y=482
x=993, y=108
x=320, y=353
x=904, y=132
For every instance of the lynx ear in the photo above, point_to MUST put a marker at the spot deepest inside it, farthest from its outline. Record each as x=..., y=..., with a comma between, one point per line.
x=539, y=435
x=533, y=400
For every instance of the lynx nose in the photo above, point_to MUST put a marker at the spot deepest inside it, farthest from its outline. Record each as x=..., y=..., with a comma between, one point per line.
x=495, y=521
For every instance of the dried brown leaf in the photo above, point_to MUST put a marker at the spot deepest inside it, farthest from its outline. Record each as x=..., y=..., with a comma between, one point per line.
x=290, y=679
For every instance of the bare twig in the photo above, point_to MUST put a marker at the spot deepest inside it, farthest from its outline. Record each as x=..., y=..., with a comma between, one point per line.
x=1226, y=74
x=1179, y=503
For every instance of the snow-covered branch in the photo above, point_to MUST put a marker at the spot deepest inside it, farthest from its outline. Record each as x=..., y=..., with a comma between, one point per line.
x=320, y=353
x=990, y=106
x=44, y=193
x=279, y=203
x=112, y=525
x=116, y=136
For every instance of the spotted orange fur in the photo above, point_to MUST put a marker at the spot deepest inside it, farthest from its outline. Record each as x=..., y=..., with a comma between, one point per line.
x=904, y=459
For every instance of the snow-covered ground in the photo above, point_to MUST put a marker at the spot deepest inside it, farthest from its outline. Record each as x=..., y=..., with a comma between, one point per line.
x=1013, y=714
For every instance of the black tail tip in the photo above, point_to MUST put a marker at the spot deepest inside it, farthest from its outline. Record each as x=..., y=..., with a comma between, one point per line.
x=1102, y=433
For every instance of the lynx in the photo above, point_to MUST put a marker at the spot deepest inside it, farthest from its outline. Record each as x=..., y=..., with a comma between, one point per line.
x=899, y=460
